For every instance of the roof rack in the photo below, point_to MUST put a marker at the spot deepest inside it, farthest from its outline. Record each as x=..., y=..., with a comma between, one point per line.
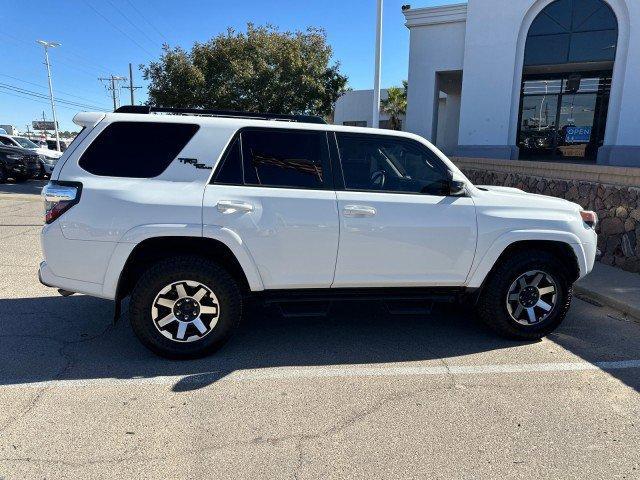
x=146, y=109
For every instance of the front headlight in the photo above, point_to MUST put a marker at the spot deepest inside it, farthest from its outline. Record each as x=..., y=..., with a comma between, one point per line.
x=589, y=217
x=49, y=160
x=14, y=157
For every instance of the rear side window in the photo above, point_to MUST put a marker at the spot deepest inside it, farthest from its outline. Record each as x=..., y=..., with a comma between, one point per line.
x=285, y=158
x=230, y=172
x=136, y=149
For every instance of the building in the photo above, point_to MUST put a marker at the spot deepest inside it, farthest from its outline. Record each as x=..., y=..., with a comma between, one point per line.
x=355, y=108
x=528, y=79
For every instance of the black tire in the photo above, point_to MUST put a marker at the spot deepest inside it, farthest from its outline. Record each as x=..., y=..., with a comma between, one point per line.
x=3, y=174
x=20, y=178
x=177, y=269
x=492, y=304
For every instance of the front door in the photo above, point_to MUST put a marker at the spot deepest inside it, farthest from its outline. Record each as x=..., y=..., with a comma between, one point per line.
x=397, y=225
x=274, y=192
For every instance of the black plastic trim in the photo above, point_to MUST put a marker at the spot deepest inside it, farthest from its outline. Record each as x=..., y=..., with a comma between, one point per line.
x=146, y=109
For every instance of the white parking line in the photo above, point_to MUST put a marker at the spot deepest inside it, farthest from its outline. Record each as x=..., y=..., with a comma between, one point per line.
x=293, y=373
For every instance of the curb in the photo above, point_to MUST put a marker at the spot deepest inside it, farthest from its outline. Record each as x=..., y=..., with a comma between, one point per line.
x=621, y=305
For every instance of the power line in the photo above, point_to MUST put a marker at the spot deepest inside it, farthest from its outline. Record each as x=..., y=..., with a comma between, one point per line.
x=106, y=19
x=113, y=85
x=65, y=54
x=31, y=93
x=44, y=86
x=44, y=102
x=147, y=20
x=134, y=25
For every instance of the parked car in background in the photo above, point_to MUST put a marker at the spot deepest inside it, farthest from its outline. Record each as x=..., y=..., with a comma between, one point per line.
x=17, y=163
x=47, y=158
x=51, y=144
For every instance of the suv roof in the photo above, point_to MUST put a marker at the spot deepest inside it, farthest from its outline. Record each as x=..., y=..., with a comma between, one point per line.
x=225, y=118
x=146, y=109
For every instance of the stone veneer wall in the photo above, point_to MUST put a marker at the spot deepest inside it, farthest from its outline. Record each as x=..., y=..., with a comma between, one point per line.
x=617, y=203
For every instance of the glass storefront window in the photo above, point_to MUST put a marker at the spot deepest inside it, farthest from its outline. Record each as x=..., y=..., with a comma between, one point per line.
x=563, y=117
x=538, y=124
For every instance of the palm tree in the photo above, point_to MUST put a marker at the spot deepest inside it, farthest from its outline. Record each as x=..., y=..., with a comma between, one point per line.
x=395, y=105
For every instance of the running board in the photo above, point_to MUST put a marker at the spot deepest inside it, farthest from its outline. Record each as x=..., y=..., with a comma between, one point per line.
x=397, y=301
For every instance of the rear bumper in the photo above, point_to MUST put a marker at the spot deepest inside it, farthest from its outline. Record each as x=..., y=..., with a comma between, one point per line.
x=49, y=279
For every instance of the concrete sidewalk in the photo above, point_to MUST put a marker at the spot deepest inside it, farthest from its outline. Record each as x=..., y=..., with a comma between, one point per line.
x=612, y=287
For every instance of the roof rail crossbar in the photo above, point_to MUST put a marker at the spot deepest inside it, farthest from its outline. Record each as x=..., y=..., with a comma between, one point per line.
x=146, y=109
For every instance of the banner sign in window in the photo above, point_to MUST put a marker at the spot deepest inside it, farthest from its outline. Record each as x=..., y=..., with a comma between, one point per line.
x=578, y=135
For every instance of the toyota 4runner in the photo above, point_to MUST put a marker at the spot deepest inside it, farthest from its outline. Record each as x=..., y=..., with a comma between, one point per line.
x=191, y=212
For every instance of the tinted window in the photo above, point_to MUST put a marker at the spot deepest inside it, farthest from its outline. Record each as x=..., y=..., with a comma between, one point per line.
x=375, y=163
x=572, y=31
x=136, y=149
x=230, y=171
x=285, y=158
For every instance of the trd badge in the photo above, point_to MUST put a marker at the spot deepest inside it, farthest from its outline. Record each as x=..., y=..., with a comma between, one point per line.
x=194, y=162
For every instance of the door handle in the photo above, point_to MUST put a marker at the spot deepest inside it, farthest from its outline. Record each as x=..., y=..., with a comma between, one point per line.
x=231, y=206
x=358, y=211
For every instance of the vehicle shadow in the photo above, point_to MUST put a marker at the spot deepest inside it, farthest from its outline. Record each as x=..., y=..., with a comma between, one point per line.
x=30, y=187
x=54, y=338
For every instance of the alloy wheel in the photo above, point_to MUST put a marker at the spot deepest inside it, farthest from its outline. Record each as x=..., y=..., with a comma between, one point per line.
x=185, y=311
x=532, y=297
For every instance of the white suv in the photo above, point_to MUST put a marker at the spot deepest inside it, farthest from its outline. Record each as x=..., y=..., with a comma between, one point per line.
x=189, y=213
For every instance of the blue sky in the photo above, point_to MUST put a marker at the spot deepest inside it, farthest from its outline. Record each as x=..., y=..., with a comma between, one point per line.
x=100, y=37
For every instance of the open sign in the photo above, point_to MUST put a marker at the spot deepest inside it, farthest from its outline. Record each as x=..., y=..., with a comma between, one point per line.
x=578, y=135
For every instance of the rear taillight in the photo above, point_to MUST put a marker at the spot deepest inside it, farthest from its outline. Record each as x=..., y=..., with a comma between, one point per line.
x=59, y=197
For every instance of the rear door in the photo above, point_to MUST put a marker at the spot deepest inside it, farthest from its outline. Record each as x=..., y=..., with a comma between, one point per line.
x=274, y=190
x=398, y=226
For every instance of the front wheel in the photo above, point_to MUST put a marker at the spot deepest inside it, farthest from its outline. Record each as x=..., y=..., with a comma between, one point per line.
x=185, y=307
x=526, y=297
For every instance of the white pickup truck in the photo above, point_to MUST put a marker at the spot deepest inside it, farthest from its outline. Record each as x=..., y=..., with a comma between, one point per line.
x=190, y=212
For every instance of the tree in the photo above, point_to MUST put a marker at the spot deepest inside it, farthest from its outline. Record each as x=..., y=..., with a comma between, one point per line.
x=261, y=70
x=395, y=105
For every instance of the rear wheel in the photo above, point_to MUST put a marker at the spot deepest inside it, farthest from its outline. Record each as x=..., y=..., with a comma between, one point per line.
x=185, y=307
x=527, y=296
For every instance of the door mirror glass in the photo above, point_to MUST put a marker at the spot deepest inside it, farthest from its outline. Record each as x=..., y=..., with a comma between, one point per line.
x=456, y=188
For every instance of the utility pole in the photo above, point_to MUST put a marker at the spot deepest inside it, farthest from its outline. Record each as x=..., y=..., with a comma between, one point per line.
x=47, y=46
x=131, y=88
x=378, y=62
x=113, y=85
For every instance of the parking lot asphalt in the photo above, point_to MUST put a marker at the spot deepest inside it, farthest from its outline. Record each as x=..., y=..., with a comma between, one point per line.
x=359, y=394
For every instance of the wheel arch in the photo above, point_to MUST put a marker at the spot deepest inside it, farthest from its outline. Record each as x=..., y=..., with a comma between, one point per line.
x=151, y=250
x=565, y=246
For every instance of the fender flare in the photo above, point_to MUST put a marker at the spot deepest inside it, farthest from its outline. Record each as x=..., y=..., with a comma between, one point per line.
x=139, y=234
x=483, y=265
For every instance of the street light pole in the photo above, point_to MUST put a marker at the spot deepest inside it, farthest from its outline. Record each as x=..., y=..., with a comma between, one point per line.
x=46, y=46
x=378, y=62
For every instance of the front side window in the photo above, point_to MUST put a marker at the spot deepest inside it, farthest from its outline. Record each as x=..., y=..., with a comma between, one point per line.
x=136, y=149
x=285, y=158
x=388, y=164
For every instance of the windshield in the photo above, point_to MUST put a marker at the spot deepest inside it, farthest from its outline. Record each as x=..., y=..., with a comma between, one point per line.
x=25, y=142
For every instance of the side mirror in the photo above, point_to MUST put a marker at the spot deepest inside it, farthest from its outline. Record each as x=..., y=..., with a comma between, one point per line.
x=455, y=188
